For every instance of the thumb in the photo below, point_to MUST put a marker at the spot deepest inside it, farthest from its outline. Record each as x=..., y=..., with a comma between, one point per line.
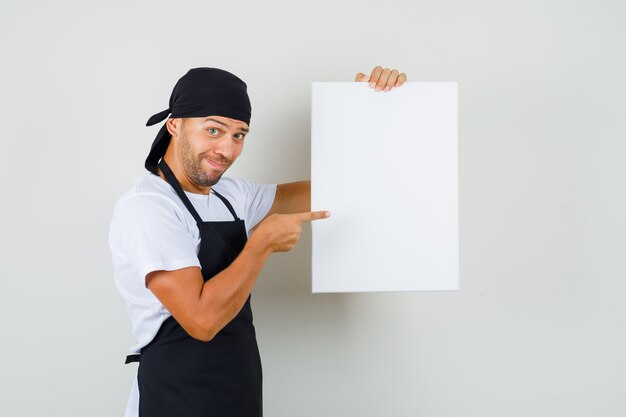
x=361, y=77
x=312, y=215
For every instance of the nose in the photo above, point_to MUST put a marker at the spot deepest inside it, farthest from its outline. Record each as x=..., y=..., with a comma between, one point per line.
x=225, y=148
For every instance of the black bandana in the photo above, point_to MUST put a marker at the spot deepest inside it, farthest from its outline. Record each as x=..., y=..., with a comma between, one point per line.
x=200, y=92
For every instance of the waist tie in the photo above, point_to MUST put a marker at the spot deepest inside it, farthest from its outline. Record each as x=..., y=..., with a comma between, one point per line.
x=133, y=358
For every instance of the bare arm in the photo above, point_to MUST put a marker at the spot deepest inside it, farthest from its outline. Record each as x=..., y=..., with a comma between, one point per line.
x=291, y=197
x=204, y=308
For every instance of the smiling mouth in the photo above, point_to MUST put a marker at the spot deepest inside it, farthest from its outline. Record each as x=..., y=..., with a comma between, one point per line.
x=215, y=164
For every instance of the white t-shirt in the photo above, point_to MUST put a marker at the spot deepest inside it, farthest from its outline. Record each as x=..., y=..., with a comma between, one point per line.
x=152, y=230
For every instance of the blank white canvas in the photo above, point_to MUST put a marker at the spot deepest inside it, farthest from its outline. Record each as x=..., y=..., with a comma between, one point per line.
x=385, y=164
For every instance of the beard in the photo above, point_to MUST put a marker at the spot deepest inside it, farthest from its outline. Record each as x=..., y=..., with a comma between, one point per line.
x=192, y=165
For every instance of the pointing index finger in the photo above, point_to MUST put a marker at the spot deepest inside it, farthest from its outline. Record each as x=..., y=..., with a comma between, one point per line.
x=313, y=215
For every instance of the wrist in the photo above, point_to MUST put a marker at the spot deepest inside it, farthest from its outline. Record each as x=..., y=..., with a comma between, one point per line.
x=258, y=247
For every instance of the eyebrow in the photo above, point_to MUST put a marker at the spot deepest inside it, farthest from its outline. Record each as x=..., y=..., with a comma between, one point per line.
x=223, y=124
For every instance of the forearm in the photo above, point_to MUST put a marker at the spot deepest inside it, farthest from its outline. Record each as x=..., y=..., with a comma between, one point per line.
x=223, y=296
x=204, y=308
x=295, y=197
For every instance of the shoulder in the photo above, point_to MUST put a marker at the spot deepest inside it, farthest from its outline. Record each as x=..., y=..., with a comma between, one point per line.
x=148, y=205
x=234, y=185
x=251, y=199
x=147, y=192
x=241, y=187
x=245, y=192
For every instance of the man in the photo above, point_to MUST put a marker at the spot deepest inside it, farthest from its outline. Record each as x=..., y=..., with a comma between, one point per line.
x=188, y=245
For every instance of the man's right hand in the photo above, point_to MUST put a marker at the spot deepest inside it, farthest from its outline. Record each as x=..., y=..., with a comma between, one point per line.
x=203, y=308
x=281, y=232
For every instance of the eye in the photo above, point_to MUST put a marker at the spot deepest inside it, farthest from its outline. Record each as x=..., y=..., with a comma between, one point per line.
x=213, y=131
x=239, y=136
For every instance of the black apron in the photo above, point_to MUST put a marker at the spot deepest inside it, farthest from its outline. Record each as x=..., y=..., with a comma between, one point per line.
x=180, y=376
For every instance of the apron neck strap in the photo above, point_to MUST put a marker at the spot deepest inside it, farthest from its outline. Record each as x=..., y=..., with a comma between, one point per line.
x=226, y=203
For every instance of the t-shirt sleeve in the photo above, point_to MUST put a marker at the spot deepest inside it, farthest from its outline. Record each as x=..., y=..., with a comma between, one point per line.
x=152, y=235
x=259, y=198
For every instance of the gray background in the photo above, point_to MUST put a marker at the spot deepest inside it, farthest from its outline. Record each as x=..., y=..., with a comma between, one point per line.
x=538, y=328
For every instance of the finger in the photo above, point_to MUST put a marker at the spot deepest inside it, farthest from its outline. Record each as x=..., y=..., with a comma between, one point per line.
x=375, y=75
x=401, y=80
x=393, y=77
x=382, y=81
x=361, y=77
x=312, y=215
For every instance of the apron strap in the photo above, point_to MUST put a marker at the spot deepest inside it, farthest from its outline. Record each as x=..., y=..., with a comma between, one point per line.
x=133, y=358
x=171, y=178
x=227, y=203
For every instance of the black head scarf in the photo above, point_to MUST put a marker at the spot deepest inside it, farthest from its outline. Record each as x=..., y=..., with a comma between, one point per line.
x=200, y=92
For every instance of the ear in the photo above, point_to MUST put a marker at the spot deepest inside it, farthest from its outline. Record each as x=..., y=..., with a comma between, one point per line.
x=174, y=126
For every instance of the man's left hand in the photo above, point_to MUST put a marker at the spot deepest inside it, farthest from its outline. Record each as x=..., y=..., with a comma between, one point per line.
x=382, y=79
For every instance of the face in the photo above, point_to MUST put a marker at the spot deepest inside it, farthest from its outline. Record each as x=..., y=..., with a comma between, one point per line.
x=208, y=146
